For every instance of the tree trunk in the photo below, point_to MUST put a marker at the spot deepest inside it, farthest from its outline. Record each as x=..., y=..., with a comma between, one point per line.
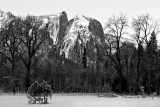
x=28, y=78
x=13, y=74
x=157, y=87
x=138, y=70
x=123, y=79
x=137, y=82
x=128, y=82
x=124, y=83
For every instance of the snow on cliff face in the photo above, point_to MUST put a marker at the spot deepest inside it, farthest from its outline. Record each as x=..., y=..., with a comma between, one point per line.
x=54, y=29
x=5, y=18
x=78, y=31
x=82, y=32
x=56, y=26
x=71, y=38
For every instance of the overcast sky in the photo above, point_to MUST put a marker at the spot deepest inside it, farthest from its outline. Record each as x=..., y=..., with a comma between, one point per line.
x=99, y=9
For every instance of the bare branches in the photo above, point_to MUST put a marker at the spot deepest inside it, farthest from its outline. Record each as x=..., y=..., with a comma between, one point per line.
x=10, y=39
x=143, y=26
x=156, y=27
x=116, y=26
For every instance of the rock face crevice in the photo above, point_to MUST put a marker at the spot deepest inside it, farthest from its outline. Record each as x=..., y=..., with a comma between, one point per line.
x=63, y=25
x=57, y=26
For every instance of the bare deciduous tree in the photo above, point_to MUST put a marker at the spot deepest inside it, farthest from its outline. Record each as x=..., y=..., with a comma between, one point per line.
x=34, y=35
x=116, y=27
x=143, y=27
x=9, y=40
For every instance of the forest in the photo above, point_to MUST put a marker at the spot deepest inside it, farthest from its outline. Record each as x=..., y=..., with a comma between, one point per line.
x=120, y=65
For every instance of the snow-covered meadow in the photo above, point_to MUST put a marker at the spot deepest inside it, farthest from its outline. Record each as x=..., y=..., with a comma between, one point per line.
x=80, y=100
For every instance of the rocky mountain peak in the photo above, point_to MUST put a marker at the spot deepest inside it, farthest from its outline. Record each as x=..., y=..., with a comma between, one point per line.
x=82, y=34
x=56, y=25
x=80, y=37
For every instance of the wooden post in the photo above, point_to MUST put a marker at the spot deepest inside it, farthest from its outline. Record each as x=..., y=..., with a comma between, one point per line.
x=142, y=91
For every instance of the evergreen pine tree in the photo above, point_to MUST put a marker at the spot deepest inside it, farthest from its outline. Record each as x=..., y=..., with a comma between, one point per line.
x=84, y=58
x=152, y=45
x=151, y=63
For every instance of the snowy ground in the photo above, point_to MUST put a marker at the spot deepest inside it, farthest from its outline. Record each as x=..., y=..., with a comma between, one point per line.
x=82, y=100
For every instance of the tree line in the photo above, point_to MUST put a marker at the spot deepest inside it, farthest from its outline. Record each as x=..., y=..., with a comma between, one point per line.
x=27, y=54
